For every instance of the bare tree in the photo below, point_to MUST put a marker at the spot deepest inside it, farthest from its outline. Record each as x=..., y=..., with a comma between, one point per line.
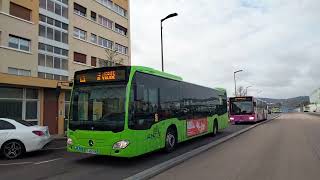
x=241, y=91
x=112, y=59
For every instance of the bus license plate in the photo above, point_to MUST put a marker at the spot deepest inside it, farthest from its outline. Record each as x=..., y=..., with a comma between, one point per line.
x=92, y=151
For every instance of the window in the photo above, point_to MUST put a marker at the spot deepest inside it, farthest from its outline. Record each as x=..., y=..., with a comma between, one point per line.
x=4, y=125
x=50, y=6
x=43, y=4
x=93, y=16
x=105, y=42
x=120, y=10
x=57, y=35
x=93, y=61
x=42, y=18
x=57, y=24
x=80, y=10
x=64, y=52
x=42, y=31
x=65, y=26
x=65, y=2
x=19, y=103
x=41, y=60
x=49, y=33
x=50, y=21
x=19, y=11
x=121, y=49
x=19, y=43
x=49, y=76
x=93, y=38
x=120, y=29
x=105, y=22
x=79, y=33
x=65, y=12
x=41, y=75
x=107, y=3
x=42, y=46
x=65, y=38
x=52, y=49
x=57, y=63
x=170, y=99
x=19, y=72
x=58, y=9
x=49, y=61
x=81, y=58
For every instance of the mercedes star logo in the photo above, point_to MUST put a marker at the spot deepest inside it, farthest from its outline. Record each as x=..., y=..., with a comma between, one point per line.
x=91, y=143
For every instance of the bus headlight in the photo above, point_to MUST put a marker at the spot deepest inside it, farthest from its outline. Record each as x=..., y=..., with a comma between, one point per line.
x=231, y=118
x=121, y=144
x=251, y=118
x=69, y=141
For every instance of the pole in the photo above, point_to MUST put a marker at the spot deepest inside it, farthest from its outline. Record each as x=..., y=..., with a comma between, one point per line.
x=161, y=47
x=235, y=84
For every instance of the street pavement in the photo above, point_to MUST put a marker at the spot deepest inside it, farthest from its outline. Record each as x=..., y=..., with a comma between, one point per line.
x=285, y=148
x=56, y=163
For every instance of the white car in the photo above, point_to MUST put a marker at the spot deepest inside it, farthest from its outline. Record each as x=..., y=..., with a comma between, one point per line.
x=18, y=137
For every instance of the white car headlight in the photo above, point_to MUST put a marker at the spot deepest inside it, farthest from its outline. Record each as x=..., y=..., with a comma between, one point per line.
x=69, y=141
x=121, y=144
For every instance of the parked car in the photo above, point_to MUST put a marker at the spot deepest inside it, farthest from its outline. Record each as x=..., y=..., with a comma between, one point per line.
x=18, y=137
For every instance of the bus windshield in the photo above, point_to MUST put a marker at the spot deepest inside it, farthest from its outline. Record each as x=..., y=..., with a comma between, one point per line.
x=100, y=108
x=241, y=107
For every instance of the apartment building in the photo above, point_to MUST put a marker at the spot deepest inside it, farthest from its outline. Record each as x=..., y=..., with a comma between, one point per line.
x=98, y=26
x=42, y=44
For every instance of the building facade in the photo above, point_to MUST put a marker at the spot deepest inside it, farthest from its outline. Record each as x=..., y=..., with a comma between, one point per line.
x=42, y=44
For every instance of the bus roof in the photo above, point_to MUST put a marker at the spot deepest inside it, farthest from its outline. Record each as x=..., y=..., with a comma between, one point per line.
x=156, y=72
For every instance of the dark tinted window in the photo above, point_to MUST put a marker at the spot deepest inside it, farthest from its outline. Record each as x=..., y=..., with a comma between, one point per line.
x=25, y=123
x=154, y=99
x=4, y=125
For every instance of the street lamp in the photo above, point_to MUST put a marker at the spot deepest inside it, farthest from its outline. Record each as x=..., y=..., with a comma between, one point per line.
x=247, y=89
x=169, y=16
x=235, y=83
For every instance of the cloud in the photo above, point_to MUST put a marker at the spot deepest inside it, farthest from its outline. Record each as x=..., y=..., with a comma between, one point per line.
x=275, y=42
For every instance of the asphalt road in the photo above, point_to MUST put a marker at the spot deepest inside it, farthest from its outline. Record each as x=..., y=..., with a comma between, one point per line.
x=285, y=148
x=59, y=164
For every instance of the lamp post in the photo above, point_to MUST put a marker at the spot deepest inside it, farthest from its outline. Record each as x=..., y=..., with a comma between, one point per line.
x=169, y=16
x=247, y=89
x=235, y=82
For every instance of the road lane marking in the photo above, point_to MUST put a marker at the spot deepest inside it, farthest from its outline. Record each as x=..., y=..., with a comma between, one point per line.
x=19, y=163
x=42, y=162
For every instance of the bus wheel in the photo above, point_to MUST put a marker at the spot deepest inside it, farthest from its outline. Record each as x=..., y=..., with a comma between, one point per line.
x=171, y=140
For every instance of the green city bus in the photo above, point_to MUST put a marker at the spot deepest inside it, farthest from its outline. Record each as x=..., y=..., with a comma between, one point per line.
x=128, y=111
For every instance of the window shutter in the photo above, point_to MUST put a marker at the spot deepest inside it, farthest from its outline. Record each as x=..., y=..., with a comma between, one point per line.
x=19, y=11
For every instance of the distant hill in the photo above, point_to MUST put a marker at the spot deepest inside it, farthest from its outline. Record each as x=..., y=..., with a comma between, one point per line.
x=288, y=104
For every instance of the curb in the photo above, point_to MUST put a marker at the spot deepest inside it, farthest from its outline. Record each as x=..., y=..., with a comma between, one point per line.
x=157, y=169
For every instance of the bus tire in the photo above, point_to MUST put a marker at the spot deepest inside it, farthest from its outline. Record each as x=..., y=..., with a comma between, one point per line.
x=170, y=140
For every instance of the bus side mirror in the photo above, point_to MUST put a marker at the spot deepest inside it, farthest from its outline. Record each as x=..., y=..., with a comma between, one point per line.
x=254, y=104
x=70, y=84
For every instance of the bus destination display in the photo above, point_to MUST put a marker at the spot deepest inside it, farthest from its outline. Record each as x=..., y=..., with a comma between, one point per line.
x=104, y=76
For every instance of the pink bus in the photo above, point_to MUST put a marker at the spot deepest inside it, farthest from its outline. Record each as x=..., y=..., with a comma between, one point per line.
x=247, y=109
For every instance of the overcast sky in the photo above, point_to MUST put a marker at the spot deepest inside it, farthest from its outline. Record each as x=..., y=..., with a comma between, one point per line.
x=275, y=42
